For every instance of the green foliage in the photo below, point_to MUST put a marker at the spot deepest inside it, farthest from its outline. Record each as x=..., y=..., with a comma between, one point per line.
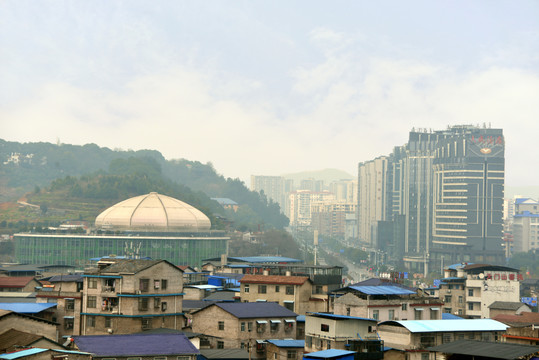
x=272, y=242
x=525, y=262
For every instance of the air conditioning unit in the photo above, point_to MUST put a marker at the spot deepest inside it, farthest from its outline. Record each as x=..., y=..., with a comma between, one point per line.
x=449, y=291
x=138, y=292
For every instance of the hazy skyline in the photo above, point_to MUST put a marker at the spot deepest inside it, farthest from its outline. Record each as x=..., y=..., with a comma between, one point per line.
x=267, y=88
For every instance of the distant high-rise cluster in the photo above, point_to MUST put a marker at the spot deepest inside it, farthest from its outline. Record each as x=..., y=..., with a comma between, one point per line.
x=437, y=199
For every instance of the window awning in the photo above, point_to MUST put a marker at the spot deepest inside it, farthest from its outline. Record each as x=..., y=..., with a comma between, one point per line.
x=260, y=341
x=275, y=321
x=261, y=322
x=288, y=302
x=290, y=321
x=69, y=298
x=69, y=317
x=418, y=309
x=435, y=308
x=261, y=300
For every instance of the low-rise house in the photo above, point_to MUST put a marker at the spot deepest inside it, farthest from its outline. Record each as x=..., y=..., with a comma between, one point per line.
x=123, y=347
x=469, y=289
x=42, y=311
x=523, y=335
x=66, y=291
x=29, y=324
x=507, y=308
x=469, y=349
x=18, y=283
x=244, y=325
x=416, y=336
x=46, y=354
x=385, y=302
x=325, y=331
x=295, y=293
x=284, y=349
x=15, y=340
x=126, y=296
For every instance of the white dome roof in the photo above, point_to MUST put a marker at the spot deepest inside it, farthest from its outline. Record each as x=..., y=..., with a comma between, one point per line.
x=153, y=212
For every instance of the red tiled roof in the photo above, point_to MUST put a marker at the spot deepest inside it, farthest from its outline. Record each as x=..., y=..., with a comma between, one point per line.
x=274, y=279
x=523, y=317
x=15, y=281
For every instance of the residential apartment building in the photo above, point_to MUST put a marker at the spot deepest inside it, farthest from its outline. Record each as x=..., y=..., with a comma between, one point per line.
x=296, y=293
x=469, y=289
x=386, y=302
x=372, y=198
x=325, y=331
x=330, y=218
x=526, y=225
x=300, y=206
x=344, y=190
x=415, y=336
x=244, y=325
x=275, y=188
x=127, y=296
x=67, y=293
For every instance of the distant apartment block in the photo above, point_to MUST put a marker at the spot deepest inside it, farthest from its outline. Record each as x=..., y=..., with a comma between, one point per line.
x=344, y=190
x=275, y=188
x=526, y=225
x=300, y=206
x=330, y=218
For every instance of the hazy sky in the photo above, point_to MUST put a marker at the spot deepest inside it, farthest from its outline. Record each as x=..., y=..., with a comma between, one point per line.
x=270, y=87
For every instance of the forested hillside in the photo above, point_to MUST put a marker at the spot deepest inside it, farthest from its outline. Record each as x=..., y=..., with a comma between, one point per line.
x=100, y=175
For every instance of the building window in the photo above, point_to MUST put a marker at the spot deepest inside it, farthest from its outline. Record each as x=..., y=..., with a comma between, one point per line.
x=250, y=326
x=291, y=354
x=425, y=356
x=461, y=300
x=92, y=283
x=447, y=338
x=156, y=284
x=308, y=341
x=289, y=290
x=434, y=314
x=404, y=307
x=143, y=304
x=144, y=284
x=324, y=327
x=156, y=303
x=261, y=289
x=68, y=323
x=220, y=345
x=274, y=326
x=470, y=306
x=289, y=305
x=347, y=311
x=391, y=314
x=70, y=304
x=376, y=314
x=260, y=327
x=318, y=289
x=108, y=322
x=90, y=321
x=418, y=314
x=246, y=288
x=470, y=292
x=92, y=302
x=277, y=288
x=163, y=306
x=447, y=299
x=146, y=323
x=221, y=325
x=242, y=326
x=164, y=284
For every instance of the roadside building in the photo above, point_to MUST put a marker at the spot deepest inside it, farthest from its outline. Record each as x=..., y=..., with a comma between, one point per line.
x=295, y=293
x=127, y=296
x=416, y=336
x=469, y=289
x=325, y=331
x=507, y=308
x=244, y=325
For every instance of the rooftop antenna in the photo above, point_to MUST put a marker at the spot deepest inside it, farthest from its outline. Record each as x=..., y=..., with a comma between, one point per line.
x=315, y=247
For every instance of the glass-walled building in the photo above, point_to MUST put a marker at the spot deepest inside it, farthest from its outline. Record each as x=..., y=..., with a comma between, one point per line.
x=152, y=225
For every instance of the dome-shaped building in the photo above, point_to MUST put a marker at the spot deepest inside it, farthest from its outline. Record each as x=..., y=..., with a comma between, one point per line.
x=152, y=225
x=153, y=212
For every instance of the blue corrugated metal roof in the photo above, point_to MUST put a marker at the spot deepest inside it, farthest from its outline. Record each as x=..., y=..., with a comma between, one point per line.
x=448, y=316
x=526, y=214
x=300, y=318
x=419, y=326
x=334, y=316
x=382, y=290
x=22, y=353
x=324, y=354
x=288, y=343
x=26, y=308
